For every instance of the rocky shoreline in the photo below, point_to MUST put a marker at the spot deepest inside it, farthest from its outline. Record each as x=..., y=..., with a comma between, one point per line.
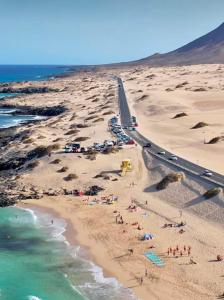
x=34, y=111
x=12, y=163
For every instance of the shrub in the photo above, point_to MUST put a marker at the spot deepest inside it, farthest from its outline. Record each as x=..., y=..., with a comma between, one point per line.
x=82, y=125
x=91, y=117
x=62, y=170
x=73, y=131
x=81, y=139
x=108, y=113
x=53, y=147
x=215, y=140
x=181, y=84
x=33, y=164
x=56, y=161
x=180, y=115
x=199, y=125
x=173, y=177
x=28, y=141
x=38, y=152
x=212, y=193
x=201, y=89
x=70, y=177
x=98, y=120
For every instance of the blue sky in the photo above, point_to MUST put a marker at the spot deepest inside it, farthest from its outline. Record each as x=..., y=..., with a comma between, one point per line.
x=100, y=31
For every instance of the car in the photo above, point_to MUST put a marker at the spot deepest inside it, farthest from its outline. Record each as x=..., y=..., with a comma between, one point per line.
x=131, y=128
x=161, y=153
x=68, y=149
x=207, y=173
x=130, y=142
x=125, y=127
x=148, y=145
x=173, y=157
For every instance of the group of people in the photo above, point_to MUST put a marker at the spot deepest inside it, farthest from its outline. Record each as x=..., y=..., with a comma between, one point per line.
x=177, y=251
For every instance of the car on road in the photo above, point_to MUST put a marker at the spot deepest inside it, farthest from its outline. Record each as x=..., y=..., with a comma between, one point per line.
x=148, y=145
x=173, y=157
x=207, y=173
x=131, y=128
x=161, y=153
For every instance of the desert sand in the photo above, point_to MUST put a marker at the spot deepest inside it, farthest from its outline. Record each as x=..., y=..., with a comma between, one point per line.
x=157, y=95
x=91, y=99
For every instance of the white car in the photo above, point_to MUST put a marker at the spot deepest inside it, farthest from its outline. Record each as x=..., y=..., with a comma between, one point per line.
x=161, y=153
x=173, y=157
x=207, y=173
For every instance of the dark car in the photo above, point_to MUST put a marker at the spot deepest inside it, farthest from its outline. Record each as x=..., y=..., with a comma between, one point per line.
x=148, y=145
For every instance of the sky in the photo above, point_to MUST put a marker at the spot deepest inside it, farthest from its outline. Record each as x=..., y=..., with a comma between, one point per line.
x=79, y=32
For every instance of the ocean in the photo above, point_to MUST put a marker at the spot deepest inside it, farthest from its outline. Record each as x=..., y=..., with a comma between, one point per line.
x=10, y=73
x=36, y=261
x=24, y=73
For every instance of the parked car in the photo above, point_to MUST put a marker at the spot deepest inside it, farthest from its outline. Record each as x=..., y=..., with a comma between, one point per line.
x=68, y=149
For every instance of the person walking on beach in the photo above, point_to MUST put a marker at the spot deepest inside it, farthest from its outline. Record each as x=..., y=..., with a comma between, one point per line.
x=52, y=222
x=146, y=273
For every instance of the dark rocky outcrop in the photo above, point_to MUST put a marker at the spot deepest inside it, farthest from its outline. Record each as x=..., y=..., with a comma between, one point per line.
x=27, y=90
x=48, y=111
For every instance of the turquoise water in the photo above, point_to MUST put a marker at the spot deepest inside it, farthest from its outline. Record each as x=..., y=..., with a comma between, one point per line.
x=37, y=263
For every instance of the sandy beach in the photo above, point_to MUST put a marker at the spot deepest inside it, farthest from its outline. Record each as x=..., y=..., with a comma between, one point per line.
x=90, y=99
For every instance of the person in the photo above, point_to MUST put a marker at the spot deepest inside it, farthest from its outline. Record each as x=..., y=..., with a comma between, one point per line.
x=141, y=281
x=146, y=202
x=52, y=222
x=131, y=251
x=146, y=272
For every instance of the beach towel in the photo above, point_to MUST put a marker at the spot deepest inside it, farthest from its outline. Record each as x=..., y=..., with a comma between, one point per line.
x=154, y=259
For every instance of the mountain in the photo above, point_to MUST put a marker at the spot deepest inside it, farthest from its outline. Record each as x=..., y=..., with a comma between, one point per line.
x=208, y=49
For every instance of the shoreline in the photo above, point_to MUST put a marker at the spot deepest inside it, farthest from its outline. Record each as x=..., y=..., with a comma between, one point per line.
x=72, y=237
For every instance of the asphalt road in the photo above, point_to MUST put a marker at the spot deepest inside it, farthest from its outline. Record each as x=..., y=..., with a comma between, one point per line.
x=183, y=164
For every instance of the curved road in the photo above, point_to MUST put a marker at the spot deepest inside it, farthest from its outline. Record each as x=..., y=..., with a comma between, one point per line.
x=183, y=164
